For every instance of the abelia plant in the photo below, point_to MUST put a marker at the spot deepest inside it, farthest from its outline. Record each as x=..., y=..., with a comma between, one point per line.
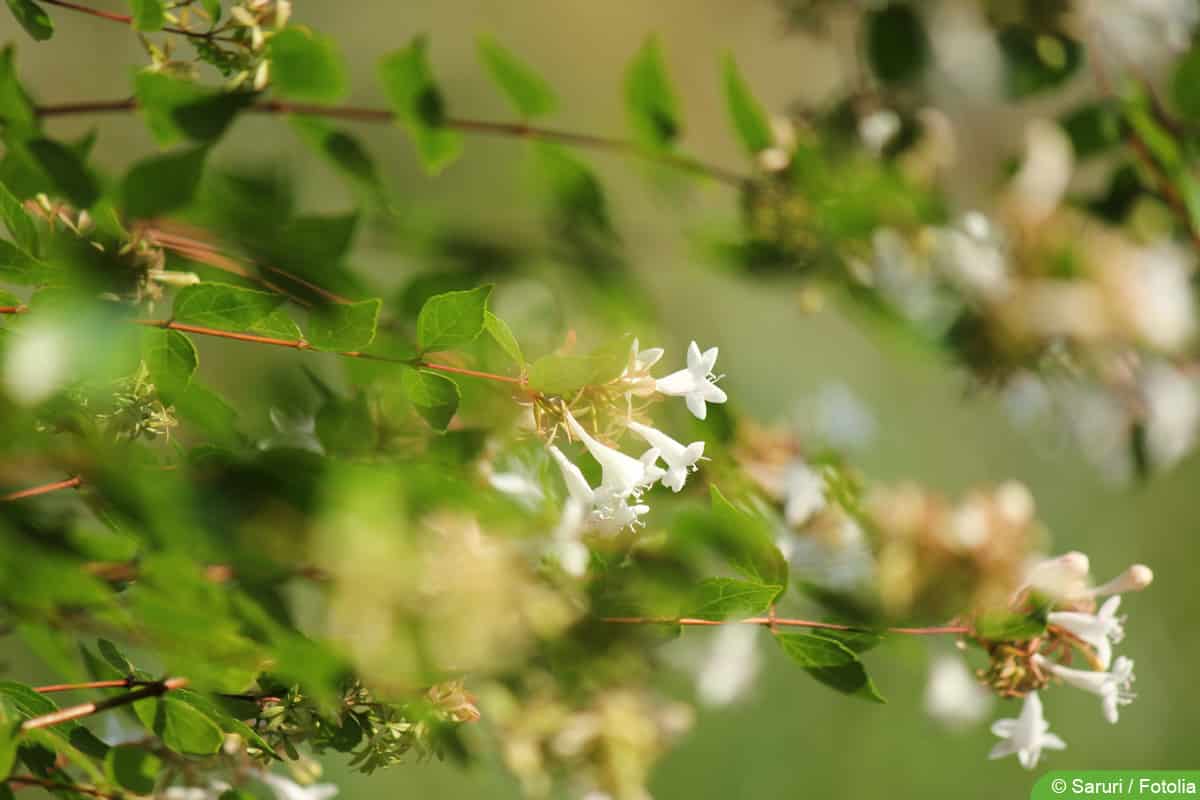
x=259, y=508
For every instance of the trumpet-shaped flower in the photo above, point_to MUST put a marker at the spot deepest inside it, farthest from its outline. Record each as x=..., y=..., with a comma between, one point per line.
x=696, y=383
x=1113, y=688
x=1134, y=579
x=606, y=508
x=621, y=475
x=1027, y=735
x=1100, y=630
x=680, y=458
x=577, y=485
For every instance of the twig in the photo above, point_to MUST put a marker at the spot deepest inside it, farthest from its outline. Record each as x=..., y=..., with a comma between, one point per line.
x=773, y=621
x=49, y=785
x=127, y=20
x=122, y=683
x=69, y=483
x=87, y=709
x=518, y=130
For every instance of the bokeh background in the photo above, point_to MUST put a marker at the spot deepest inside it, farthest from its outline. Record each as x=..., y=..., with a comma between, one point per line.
x=788, y=736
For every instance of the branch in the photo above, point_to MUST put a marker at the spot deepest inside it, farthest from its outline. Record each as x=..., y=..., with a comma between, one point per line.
x=772, y=621
x=127, y=20
x=120, y=683
x=69, y=483
x=50, y=785
x=87, y=709
x=517, y=130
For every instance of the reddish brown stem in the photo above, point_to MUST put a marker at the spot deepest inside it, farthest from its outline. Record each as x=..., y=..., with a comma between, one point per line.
x=123, y=683
x=490, y=376
x=69, y=483
x=50, y=785
x=87, y=709
x=518, y=130
x=127, y=20
x=773, y=621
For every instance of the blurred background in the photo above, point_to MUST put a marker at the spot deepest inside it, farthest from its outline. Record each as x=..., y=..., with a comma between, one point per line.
x=789, y=735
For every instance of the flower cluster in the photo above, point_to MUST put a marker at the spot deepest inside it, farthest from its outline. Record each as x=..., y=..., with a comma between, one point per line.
x=616, y=503
x=1074, y=626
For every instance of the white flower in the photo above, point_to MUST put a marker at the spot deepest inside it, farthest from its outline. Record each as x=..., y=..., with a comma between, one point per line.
x=972, y=256
x=953, y=696
x=621, y=475
x=1172, y=413
x=731, y=667
x=1027, y=735
x=609, y=510
x=1113, y=688
x=878, y=128
x=286, y=789
x=297, y=432
x=696, y=383
x=571, y=553
x=681, y=459
x=1061, y=578
x=1100, y=631
x=803, y=493
x=38, y=363
x=642, y=360
x=1045, y=172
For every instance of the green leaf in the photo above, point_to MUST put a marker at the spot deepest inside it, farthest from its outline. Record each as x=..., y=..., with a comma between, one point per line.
x=721, y=598
x=223, y=719
x=1185, y=85
x=572, y=188
x=176, y=109
x=452, y=319
x=66, y=169
x=434, y=396
x=1093, y=129
x=212, y=8
x=171, y=359
x=744, y=539
x=163, y=183
x=1005, y=626
x=528, y=92
x=33, y=18
x=504, y=337
x=561, y=375
x=17, y=117
x=409, y=85
x=649, y=101
x=305, y=66
x=114, y=658
x=897, y=45
x=749, y=119
x=831, y=663
x=858, y=641
x=10, y=727
x=181, y=726
x=17, y=266
x=344, y=326
x=233, y=308
x=19, y=223
x=148, y=15
x=132, y=767
x=341, y=149
x=1037, y=61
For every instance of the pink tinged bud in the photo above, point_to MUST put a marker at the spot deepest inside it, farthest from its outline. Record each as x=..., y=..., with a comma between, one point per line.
x=1134, y=579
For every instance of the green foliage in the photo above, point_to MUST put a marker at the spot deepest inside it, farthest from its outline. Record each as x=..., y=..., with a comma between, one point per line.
x=306, y=66
x=1185, y=85
x=830, y=662
x=722, y=598
x=66, y=169
x=740, y=537
x=33, y=18
x=452, y=319
x=649, y=100
x=415, y=98
x=504, y=337
x=176, y=109
x=529, y=93
x=1003, y=626
x=148, y=15
x=749, y=119
x=233, y=308
x=897, y=45
x=20, y=225
x=1037, y=60
x=133, y=768
x=557, y=374
x=164, y=183
x=434, y=396
x=181, y=726
x=341, y=149
x=171, y=360
x=344, y=326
